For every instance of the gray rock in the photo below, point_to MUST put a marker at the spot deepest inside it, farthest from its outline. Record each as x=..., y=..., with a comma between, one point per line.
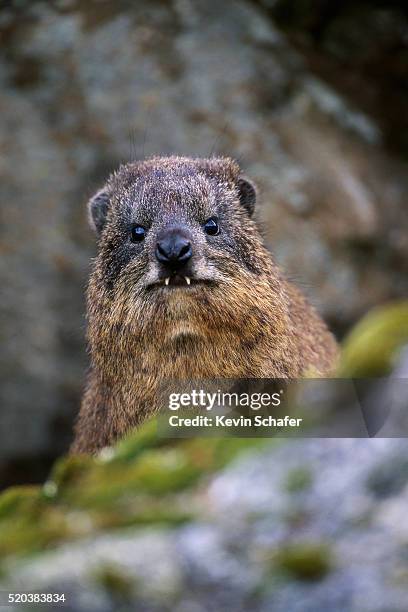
x=231, y=558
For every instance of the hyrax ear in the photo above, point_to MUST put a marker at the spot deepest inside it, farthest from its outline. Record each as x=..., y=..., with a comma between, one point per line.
x=98, y=207
x=247, y=194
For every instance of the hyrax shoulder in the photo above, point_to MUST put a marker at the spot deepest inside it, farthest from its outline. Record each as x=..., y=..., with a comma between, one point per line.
x=183, y=287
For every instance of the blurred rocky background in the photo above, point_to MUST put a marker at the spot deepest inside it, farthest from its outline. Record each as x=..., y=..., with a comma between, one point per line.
x=311, y=97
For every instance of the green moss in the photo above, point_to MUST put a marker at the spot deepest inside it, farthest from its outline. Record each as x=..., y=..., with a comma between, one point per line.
x=306, y=561
x=210, y=454
x=135, y=443
x=114, y=581
x=141, y=510
x=165, y=471
x=156, y=473
x=71, y=469
x=164, y=516
x=27, y=521
x=373, y=345
x=34, y=526
x=298, y=479
x=18, y=499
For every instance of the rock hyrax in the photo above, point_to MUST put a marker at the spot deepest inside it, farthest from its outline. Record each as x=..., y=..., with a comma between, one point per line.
x=184, y=287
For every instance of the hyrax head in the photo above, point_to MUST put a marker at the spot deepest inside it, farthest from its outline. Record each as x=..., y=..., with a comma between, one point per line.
x=175, y=227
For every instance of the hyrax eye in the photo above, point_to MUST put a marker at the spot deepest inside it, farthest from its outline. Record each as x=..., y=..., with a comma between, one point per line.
x=137, y=233
x=211, y=226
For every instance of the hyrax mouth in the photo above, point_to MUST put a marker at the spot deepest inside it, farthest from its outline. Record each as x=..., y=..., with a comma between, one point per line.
x=178, y=281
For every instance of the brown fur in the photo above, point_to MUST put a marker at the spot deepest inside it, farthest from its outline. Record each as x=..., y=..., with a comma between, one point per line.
x=246, y=322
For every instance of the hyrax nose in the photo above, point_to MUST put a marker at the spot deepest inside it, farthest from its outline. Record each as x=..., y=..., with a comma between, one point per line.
x=174, y=250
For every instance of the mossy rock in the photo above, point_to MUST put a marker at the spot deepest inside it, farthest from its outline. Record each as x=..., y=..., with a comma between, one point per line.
x=70, y=469
x=155, y=473
x=134, y=444
x=304, y=561
x=211, y=454
x=144, y=480
x=167, y=513
x=19, y=499
x=165, y=471
x=373, y=346
x=28, y=522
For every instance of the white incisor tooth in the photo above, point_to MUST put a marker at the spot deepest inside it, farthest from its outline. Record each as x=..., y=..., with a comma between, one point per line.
x=167, y=280
x=188, y=280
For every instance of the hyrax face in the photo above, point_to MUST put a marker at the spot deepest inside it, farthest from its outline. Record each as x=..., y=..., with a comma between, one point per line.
x=174, y=233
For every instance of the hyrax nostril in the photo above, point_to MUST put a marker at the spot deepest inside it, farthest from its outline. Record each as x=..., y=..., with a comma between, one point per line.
x=185, y=252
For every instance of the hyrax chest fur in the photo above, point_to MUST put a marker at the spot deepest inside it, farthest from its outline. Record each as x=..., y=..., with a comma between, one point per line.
x=183, y=287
